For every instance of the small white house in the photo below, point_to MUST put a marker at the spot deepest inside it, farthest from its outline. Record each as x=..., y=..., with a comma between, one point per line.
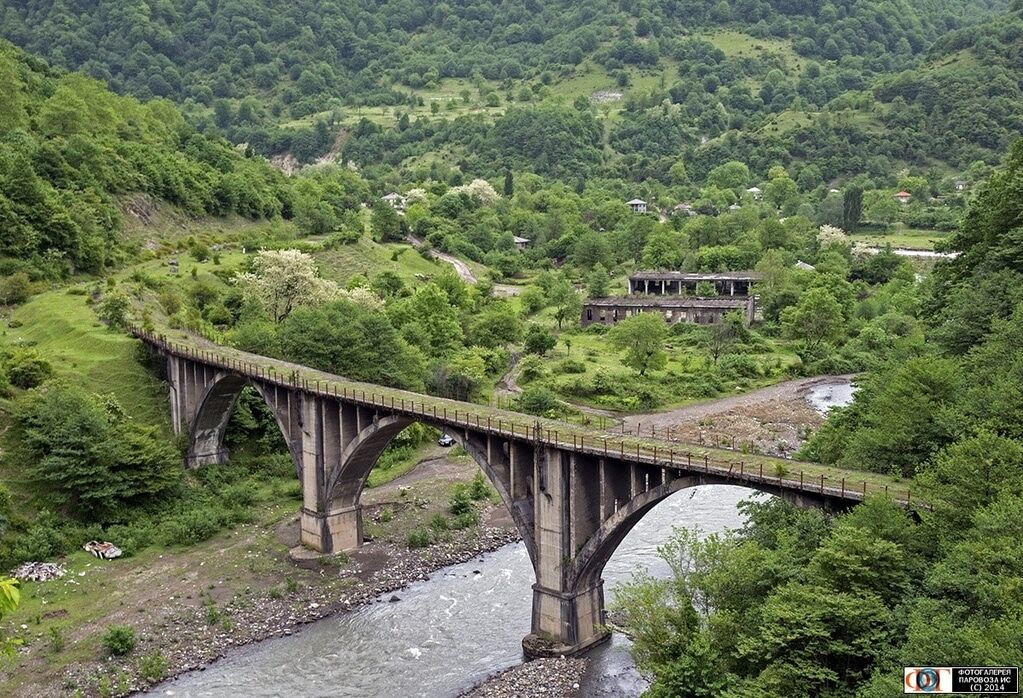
x=637, y=206
x=521, y=243
x=683, y=210
x=397, y=201
x=803, y=266
x=756, y=192
x=960, y=185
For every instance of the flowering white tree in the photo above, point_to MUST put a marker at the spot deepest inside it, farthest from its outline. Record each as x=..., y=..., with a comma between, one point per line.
x=832, y=235
x=282, y=280
x=479, y=189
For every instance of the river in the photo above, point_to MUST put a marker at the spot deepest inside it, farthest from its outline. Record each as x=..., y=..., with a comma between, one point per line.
x=463, y=624
x=451, y=631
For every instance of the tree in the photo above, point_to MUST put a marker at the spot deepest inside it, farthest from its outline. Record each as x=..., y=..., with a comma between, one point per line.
x=385, y=223
x=509, y=183
x=91, y=460
x=539, y=340
x=429, y=320
x=642, y=337
x=852, y=207
x=598, y=282
x=566, y=301
x=732, y=175
x=114, y=308
x=883, y=209
x=348, y=338
x=815, y=319
x=283, y=280
x=664, y=249
x=724, y=335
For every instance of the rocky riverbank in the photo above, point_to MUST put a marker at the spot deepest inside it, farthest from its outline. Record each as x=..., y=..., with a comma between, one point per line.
x=541, y=678
x=191, y=638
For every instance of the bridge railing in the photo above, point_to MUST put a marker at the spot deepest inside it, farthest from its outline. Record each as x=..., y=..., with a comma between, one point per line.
x=810, y=478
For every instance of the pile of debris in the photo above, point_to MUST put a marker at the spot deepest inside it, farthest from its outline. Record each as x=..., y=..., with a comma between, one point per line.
x=38, y=571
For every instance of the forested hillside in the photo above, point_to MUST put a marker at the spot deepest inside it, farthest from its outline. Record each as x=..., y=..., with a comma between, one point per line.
x=69, y=148
x=785, y=81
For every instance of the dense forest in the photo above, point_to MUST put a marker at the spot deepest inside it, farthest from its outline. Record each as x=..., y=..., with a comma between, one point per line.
x=862, y=82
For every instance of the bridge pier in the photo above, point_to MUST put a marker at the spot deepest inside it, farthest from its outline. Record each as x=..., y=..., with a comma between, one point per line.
x=566, y=623
x=331, y=532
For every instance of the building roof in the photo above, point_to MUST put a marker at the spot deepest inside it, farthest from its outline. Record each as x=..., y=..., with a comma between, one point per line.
x=668, y=302
x=636, y=201
x=392, y=197
x=903, y=194
x=687, y=276
x=755, y=190
x=520, y=241
x=800, y=264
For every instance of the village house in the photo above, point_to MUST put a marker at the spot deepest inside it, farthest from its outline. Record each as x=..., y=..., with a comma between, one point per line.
x=637, y=206
x=701, y=311
x=756, y=192
x=521, y=243
x=683, y=210
x=678, y=283
x=903, y=197
x=960, y=185
x=396, y=201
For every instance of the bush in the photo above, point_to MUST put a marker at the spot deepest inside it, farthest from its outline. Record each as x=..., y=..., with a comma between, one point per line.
x=465, y=520
x=479, y=489
x=439, y=522
x=119, y=640
x=421, y=538
x=539, y=401
x=539, y=340
x=740, y=365
x=570, y=366
x=153, y=666
x=15, y=288
x=26, y=369
x=530, y=368
x=460, y=502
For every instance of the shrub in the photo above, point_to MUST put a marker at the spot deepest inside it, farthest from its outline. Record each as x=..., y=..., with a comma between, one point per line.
x=119, y=640
x=153, y=666
x=439, y=522
x=539, y=340
x=539, y=401
x=570, y=366
x=466, y=519
x=26, y=369
x=479, y=489
x=386, y=515
x=739, y=365
x=530, y=368
x=460, y=502
x=15, y=288
x=421, y=538
x=57, y=641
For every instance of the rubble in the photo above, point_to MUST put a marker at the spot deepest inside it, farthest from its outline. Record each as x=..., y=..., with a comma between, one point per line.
x=551, y=678
x=38, y=571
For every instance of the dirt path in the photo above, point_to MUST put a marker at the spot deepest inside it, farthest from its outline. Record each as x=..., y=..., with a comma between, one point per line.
x=775, y=420
x=461, y=268
x=783, y=392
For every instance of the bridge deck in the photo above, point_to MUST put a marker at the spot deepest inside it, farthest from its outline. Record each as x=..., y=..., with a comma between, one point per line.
x=752, y=470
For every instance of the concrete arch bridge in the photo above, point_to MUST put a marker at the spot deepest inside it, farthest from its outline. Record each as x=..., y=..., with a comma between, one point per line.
x=574, y=492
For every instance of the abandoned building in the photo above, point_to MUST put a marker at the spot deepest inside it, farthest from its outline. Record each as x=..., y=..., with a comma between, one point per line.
x=702, y=311
x=677, y=283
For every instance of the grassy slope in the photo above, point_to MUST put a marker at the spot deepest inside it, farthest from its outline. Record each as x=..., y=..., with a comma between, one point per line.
x=64, y=330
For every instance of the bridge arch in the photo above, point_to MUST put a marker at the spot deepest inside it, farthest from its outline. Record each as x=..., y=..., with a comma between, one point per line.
x=207, y=426
x=346, y=483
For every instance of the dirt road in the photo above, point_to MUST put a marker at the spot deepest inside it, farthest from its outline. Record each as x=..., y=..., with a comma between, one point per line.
x=775, y=420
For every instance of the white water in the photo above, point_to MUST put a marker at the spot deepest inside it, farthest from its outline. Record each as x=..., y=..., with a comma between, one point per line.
x=825, y=398
x=450, y=632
